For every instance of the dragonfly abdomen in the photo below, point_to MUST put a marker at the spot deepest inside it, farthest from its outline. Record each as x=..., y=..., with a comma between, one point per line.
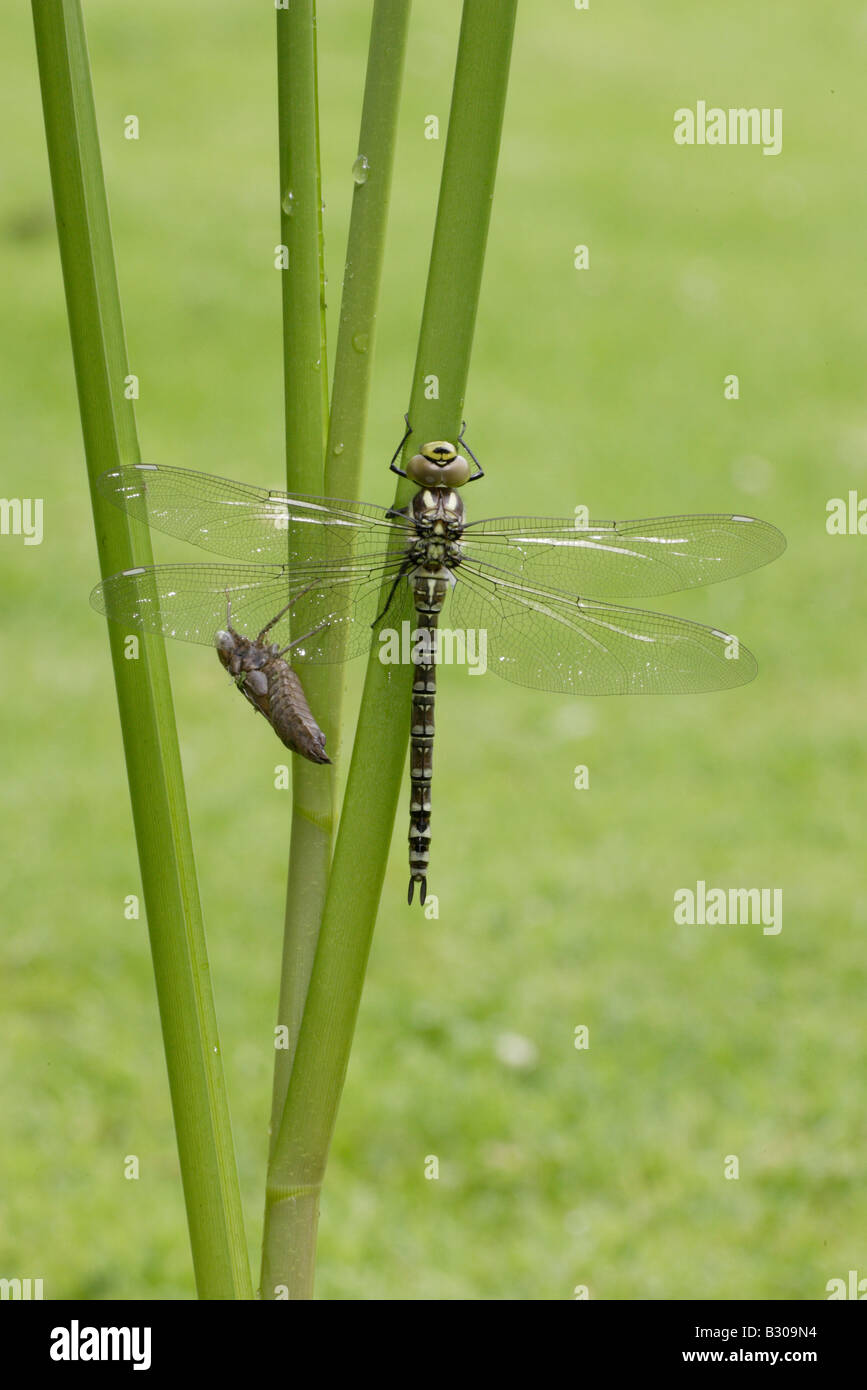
x=290, y=714
x=421, y=771
x=429, y=591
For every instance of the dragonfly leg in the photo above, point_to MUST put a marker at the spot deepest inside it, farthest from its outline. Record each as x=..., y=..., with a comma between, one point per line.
x=285, y=609
x=296, y=640
x=480, y=472
x=397, y=578
x=399, y=449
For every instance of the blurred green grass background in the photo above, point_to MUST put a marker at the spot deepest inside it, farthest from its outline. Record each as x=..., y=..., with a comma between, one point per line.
x=557, y=1167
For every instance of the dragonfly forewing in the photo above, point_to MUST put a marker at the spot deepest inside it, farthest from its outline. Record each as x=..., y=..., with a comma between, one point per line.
x=252, y=523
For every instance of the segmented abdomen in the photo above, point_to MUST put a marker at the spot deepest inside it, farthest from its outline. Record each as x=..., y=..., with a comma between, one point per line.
x=429, y=593
x=289, y=713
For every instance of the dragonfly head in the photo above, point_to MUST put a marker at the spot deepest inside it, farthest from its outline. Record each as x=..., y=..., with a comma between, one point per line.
x=438, y=464
x=227, y=651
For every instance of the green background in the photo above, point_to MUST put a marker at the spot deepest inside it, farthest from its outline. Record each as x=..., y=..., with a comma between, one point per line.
x=557, y=1167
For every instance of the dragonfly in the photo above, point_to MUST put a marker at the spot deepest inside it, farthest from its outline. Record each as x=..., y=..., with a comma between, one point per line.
x=541, y=594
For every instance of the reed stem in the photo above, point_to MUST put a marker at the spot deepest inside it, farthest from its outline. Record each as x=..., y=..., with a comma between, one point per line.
x=186, y=1004
x=379, y=754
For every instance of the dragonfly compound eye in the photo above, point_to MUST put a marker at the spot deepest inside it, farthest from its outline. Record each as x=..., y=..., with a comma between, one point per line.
x=438, y=464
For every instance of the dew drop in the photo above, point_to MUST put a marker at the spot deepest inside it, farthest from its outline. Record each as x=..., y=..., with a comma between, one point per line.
x=360, y=342
x=338, y=449
x=360, y=168
x=288, y=203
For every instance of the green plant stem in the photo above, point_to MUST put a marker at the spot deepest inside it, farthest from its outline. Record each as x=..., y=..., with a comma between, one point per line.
x=290, y=1227
x=171, y=898
x=305, y=404
x=365, y=247
x=379, y=754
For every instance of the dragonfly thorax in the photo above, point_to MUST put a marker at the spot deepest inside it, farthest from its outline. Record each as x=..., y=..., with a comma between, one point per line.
x=438, y=464
x=437, y=515
x=239, y=653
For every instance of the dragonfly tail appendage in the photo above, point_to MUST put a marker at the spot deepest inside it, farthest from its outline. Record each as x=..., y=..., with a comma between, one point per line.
x=422, y=893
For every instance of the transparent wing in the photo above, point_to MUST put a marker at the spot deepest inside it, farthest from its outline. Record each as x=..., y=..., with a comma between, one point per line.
x=608, y=559
x=623, y=559
x=333, y=616
x=249, y=523
x=550, y=641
